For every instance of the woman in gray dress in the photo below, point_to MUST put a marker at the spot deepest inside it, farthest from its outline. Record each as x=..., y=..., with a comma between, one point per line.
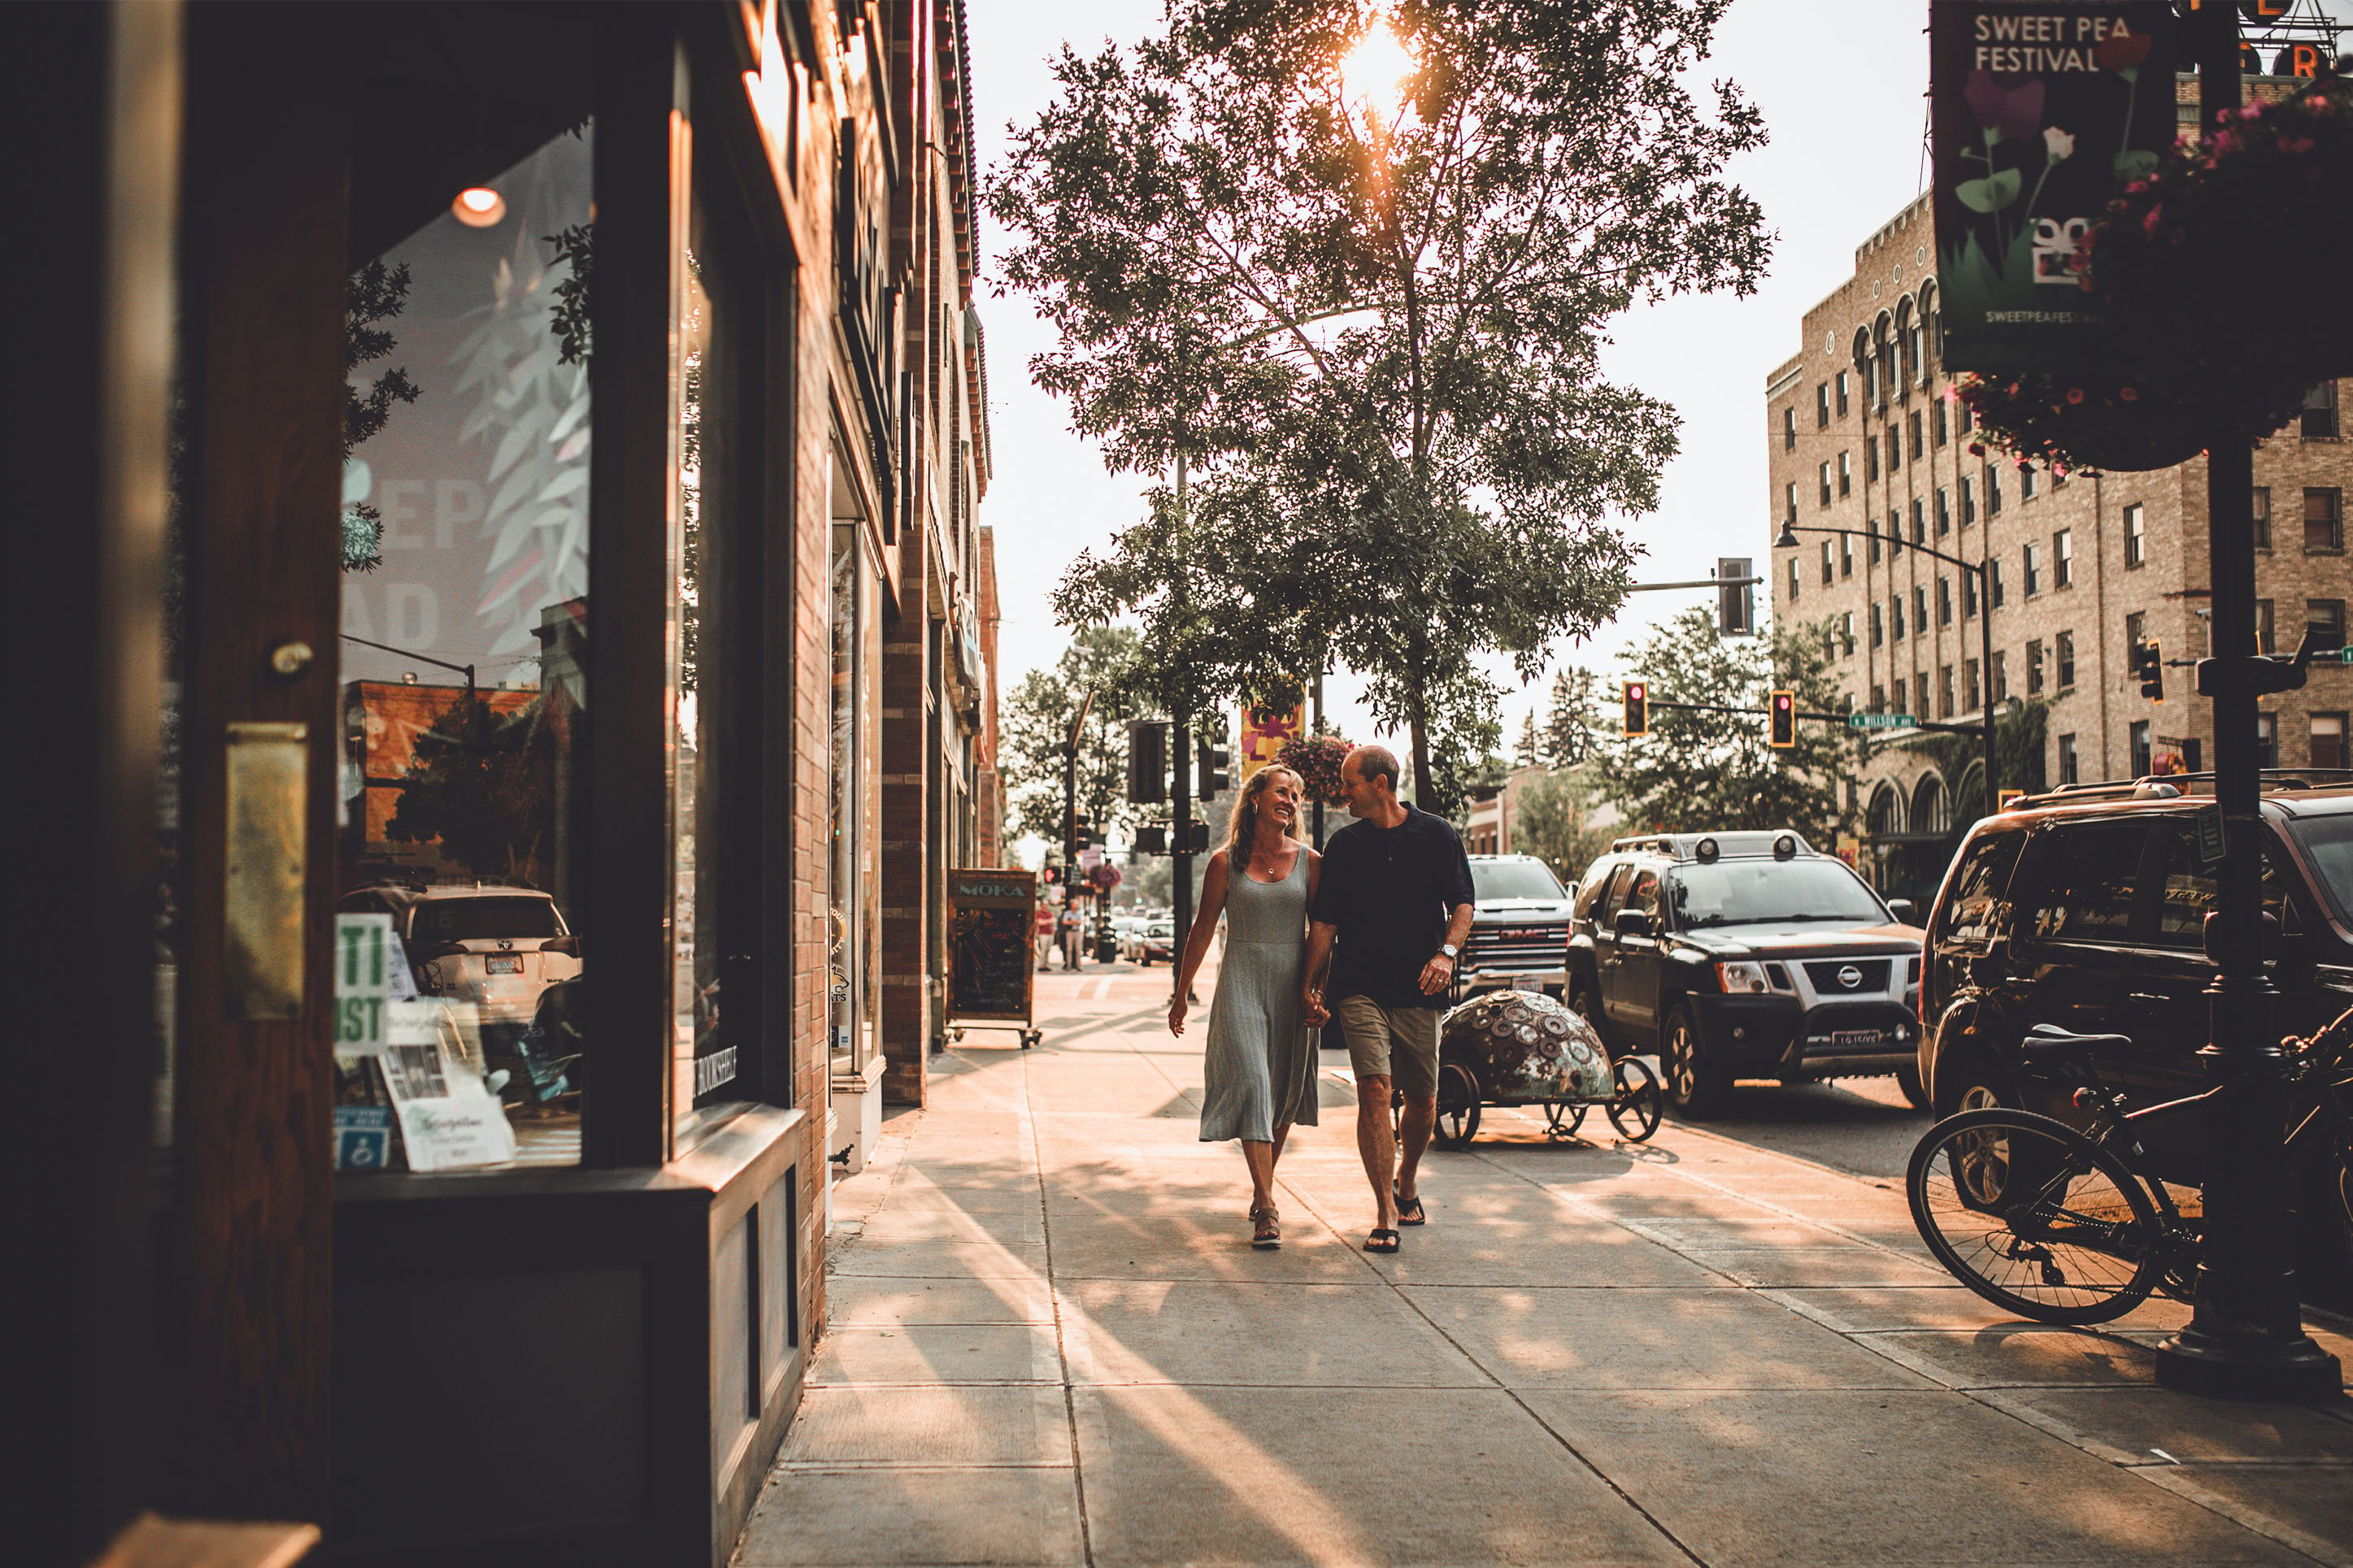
x=1259, y=1068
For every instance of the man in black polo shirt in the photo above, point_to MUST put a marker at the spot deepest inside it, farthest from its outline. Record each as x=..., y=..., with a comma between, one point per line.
x=1396, y=894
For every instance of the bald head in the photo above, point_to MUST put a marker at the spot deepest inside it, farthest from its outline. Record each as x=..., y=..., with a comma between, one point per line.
x=1374, y=764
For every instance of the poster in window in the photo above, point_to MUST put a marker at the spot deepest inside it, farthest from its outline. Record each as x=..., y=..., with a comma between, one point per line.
x=2041, y=114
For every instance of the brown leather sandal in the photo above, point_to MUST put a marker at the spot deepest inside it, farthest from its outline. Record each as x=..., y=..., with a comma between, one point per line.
x=1268, y=1237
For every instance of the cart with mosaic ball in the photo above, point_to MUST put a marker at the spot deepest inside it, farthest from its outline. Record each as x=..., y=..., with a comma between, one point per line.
x=1522, y=1048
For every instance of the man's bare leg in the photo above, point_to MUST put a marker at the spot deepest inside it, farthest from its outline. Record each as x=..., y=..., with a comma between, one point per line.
x=1414, y=1129
x=1376, y=1143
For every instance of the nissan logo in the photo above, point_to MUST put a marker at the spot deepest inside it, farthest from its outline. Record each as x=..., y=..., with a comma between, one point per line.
x=1849, y=977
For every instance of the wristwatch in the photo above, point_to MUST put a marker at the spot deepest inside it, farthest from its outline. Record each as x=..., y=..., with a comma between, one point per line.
x=1449, y=949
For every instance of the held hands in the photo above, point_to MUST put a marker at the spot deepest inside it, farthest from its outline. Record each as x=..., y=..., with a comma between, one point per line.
x=1437, y=975
x=1310, y=1002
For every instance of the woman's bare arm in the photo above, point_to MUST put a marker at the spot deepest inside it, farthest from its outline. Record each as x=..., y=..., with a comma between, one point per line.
x=1196, y=941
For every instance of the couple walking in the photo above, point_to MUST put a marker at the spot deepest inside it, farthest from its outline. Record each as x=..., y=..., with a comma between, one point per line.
x=1366, y=933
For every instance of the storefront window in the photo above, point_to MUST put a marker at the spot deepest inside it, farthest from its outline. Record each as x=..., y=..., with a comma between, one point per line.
x=854, y=914
x=713, y=924
x=461, y=1037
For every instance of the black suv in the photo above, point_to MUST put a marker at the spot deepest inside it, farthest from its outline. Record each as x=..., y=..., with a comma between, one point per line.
x=2086, y=908
x=1744, y=955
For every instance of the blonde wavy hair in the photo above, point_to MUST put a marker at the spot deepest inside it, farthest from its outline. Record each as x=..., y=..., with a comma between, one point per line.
x=1241, y=827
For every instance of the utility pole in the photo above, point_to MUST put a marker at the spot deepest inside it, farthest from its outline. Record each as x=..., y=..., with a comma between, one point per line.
x=1180, y=751
x=1315, y=727
x=2245, y=1339
x=1071, y=801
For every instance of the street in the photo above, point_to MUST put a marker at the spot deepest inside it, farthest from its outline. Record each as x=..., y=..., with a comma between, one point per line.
x=1047, y=1341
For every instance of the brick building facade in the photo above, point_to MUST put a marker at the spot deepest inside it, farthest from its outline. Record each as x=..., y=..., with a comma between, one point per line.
x=1863, y=433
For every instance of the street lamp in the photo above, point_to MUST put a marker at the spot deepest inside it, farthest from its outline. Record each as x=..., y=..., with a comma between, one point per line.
x=1789, y=541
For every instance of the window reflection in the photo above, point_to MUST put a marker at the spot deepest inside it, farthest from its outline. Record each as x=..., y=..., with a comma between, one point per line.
x=460, y=1033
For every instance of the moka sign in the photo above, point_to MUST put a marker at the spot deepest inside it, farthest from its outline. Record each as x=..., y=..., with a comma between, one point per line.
x=2041, y=115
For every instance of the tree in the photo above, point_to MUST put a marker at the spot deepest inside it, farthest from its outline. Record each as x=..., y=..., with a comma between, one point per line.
x=1530, y=748
x=1552, y=819
x=1696, y=771
x=1373, y=332
x=483, y=784
x=1035, y=725
x=1569, y=717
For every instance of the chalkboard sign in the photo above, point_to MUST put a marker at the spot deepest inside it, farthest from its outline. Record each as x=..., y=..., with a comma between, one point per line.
x=990, y=956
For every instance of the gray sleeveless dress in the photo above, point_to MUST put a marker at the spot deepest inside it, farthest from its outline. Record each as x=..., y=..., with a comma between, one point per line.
x=1259, y=1068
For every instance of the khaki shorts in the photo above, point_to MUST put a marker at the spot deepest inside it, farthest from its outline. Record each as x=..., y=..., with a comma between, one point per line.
x=1399, y=1043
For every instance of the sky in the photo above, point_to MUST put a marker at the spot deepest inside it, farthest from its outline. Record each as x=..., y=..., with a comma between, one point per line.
x=1841, y=85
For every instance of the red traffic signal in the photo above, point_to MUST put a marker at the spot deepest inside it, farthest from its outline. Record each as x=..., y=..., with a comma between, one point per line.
x=1638, y=707
x=1784, y=713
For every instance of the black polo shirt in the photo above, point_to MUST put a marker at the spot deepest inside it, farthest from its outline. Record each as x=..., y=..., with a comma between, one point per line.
x=1390, y=891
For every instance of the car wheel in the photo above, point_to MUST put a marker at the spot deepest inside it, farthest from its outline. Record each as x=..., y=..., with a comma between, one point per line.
x=1972, y=1083
x=1915, y=1093
x=1697, y=1084
x=1582, y=1002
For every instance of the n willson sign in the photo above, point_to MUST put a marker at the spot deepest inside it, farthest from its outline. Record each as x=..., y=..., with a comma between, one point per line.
x=2043, y=114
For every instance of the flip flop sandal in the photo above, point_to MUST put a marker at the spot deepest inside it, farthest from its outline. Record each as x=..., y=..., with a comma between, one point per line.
x=1268, y=1237
x=1383, y=1241
x=1409, y=1210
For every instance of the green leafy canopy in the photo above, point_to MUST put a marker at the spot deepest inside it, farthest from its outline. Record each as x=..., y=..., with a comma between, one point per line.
x=1373, y=331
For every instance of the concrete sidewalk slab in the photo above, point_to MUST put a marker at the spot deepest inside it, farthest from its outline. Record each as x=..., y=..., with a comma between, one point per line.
x=1650, y=1338
x=941, y=1258
x=854, y=1303
x=1821, y=1478
x=916, y=1353
x=916, y=1519
x=2013, y=1354
x=1200, y=1331
x=930, y=1426
x=2141, y=1421
x=1333, y=1476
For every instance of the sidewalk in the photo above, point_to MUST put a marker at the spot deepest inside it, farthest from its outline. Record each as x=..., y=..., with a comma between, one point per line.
x=1049, y=1343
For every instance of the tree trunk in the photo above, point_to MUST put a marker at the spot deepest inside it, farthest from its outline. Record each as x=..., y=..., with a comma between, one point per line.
x=1425, y=793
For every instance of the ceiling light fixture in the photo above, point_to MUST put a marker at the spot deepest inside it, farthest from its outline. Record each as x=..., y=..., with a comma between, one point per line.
x=479, y=206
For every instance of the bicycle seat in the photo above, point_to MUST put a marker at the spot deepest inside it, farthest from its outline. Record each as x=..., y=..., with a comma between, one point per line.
x=2049, y=1042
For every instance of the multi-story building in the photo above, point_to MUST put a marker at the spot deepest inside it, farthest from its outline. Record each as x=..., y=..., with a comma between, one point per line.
x=1865, y=434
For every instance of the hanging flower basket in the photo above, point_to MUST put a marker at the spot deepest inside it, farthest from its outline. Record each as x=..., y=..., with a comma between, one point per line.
x=2128, y=423
x=1316, y=760
x=2231, y=255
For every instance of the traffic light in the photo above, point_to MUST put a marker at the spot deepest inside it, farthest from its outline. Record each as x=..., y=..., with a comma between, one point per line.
x=1735, y=601
x=1082, y=832
x=1784, y=713
x=1151, y=839
x=1197, y=837
x=1049, y=876
x=2149, y=665
x=1638, y=707
x=1147, y=761
x=1210, y=771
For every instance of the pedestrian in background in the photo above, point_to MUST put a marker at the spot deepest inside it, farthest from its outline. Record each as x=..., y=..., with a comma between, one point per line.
x=1045, y=935
x=1396, y=898
x=1070, y=924
x=1257, y=1070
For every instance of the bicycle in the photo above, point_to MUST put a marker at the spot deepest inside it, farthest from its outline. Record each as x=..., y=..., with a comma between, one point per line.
x=2071, y=1227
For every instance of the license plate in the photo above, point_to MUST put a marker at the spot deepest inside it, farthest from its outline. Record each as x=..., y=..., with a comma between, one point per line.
x=510, y=965
x=1858, y=1036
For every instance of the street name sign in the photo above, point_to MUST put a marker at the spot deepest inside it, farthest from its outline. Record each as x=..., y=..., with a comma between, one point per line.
x=1882, y=721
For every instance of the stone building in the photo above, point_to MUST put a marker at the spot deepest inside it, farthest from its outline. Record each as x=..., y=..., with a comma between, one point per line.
x=1863, y=433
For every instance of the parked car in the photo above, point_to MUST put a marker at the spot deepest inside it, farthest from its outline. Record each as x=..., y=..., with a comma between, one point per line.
x=1158, y=941
x=495, y=947
x=1128, y=935
x=1744, y=954
x=1519, y=928
x=2086, y=907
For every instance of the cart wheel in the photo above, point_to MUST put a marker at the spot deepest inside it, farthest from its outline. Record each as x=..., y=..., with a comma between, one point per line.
x=1030, y=1037
x=957, y=1034
x=1458, y=1106
x=1635, y=1112
x=1564, y=1117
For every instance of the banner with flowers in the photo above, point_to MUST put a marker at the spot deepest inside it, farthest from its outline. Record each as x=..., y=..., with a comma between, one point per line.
x=2040, y=115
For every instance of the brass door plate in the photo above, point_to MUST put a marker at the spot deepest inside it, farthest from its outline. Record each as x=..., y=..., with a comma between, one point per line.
x=268, y=864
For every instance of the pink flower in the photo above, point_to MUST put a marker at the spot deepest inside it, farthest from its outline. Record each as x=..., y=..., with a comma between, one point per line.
x=1977, y=448
x=2119, y=51
x=2057, y=144
x=2074, y=394
x=2129, y=394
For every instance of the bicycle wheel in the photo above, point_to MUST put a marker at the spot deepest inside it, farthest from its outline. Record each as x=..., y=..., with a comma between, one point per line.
x=2034, y=1216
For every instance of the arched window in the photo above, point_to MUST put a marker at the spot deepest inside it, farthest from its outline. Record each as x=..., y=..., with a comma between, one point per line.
x=1932, y=809
x=1968, y=795
x=1883, y=361
x=1886, y=814
x=1932, y=332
